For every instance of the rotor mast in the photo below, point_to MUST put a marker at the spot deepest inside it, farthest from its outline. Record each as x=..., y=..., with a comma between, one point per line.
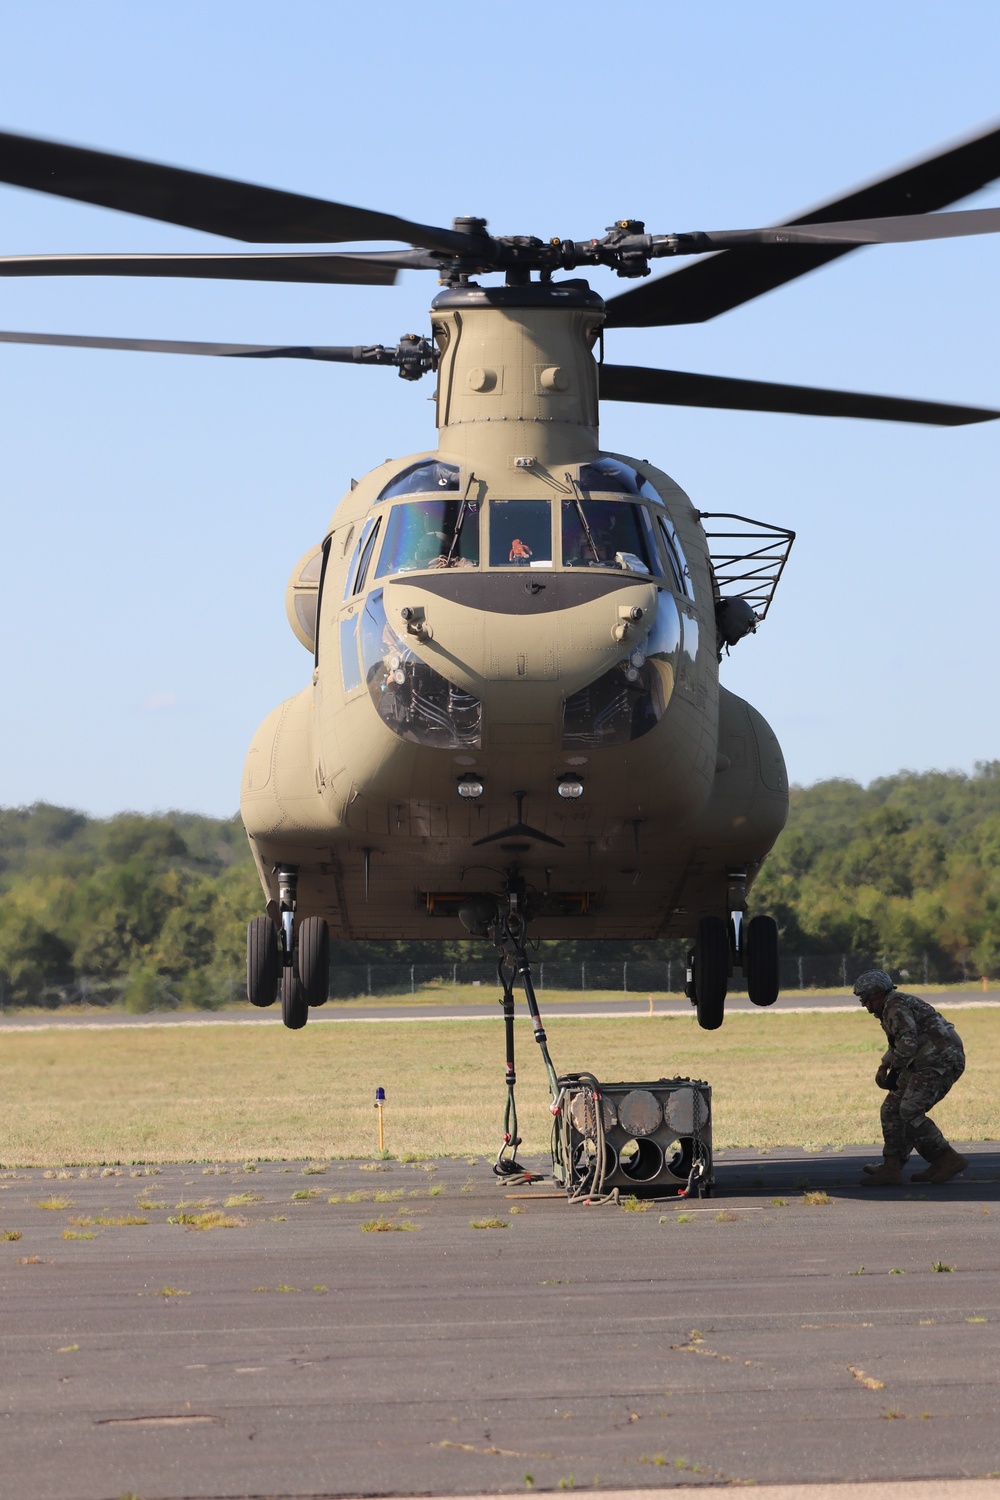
x=517, y=378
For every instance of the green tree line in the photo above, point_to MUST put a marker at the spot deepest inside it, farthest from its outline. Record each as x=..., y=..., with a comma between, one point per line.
x=905, y=872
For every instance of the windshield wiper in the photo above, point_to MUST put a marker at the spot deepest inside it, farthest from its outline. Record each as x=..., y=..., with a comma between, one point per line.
x=463, y=507
x=583, y=519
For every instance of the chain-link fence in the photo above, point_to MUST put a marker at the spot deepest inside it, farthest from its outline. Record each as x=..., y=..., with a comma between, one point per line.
x=451, y=983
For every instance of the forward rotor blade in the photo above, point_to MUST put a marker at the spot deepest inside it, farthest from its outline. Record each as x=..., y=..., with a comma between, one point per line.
x=218, y=205
x=680, y=388
x=360, y=270
x=343, y=354
x=902, y=229
x=710, y=287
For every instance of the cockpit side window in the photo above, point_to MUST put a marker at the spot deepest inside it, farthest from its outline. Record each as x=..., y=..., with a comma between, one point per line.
x=606, y=534
x=430, y=534
x=358, y=570
x=520, y=534
x=427, y=477
x=679, y=569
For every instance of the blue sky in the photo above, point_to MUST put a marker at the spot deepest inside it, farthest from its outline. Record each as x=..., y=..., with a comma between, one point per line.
x=153, y=506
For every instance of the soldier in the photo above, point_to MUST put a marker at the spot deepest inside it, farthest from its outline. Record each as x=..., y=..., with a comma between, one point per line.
x=924, y=1058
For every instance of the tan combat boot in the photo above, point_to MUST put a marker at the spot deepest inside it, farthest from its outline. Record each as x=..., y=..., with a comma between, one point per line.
x=943, y=1168
x=889, y=1174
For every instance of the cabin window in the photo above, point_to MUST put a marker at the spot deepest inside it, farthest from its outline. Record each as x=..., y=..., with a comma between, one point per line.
x=430, y=534
x=425, y=478
x=520, y=534
x=606, y=534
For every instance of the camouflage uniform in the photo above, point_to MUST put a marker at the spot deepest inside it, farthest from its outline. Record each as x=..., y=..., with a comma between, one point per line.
x=927, y=1053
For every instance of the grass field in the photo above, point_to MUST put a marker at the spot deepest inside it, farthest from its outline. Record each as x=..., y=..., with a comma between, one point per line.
x=231, y=1093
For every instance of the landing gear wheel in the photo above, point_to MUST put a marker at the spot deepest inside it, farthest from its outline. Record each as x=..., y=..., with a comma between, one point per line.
x=294, y=1005
x=314, y=959
x=263, y=962
x=711, y=971
x=760, y=963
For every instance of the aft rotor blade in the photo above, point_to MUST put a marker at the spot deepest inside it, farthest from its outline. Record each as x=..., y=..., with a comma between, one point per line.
x=343, y=354
x=681, y=388
x=197, y=200
x=360, y=270
x=710, y=287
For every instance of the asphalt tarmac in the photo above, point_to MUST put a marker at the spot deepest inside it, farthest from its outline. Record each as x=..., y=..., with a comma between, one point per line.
x=764, y=1339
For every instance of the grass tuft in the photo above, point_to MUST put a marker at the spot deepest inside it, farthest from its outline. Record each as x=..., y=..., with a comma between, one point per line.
x=302, y=1195
x=817, y=1198
x=868, y=1381
x=10, y=1234
x=79, y=1234
x=240, y=1200
x=634, y=1205
x=212, y=1220
x=382, y=1225
x=489, y=1223
x=54, y=1204
x=725, y=1217
x=939, y=1265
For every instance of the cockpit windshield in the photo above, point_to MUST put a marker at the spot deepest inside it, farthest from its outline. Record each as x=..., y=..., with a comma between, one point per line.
x=520, y=534
x=430, y=534
x=606, y=534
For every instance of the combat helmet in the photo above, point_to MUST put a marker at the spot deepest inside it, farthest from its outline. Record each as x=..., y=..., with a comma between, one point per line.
x=871, y=984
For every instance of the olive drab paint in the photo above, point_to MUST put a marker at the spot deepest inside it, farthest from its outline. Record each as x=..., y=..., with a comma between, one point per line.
x=528, y=652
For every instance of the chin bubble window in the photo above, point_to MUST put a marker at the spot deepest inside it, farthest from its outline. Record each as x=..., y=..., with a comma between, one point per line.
x=520, y=534
x=630, y=700
x=430, y=534
x=606, y=534
x=412, y=699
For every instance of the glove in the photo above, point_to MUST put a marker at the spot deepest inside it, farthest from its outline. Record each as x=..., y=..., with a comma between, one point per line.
x=887, y=1077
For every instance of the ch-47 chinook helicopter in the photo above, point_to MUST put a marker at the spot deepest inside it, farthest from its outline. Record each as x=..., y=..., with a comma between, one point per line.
x=514, y=715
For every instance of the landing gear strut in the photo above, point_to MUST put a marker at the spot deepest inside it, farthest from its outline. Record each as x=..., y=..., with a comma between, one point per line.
x=292, y=958
x=720, y=946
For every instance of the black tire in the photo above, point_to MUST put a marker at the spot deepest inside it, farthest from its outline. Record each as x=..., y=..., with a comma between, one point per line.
x=294, y=1006
x=711, y=971
x=263, y=962
x=760, y=965
x=314, y=959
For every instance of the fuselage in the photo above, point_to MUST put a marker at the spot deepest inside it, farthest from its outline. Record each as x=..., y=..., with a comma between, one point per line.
x=515, y=664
